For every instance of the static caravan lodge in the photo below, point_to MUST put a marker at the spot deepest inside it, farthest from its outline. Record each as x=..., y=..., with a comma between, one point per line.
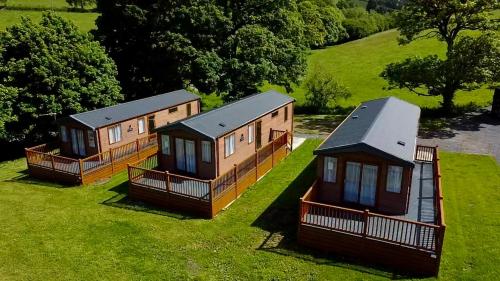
x=377, y=195
x=204, y=162
x=98, y=143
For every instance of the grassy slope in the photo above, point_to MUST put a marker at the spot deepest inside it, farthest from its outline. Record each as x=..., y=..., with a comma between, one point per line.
x=358, y=65
x=51, y=233
x=85, y=21
x=37, y=3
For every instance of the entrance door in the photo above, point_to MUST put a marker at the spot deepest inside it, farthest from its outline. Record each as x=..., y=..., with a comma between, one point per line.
x=360, y=184
x=190, y=157
x=180, y=156
x=77, y=142
x=258, y=135
x=185, y=155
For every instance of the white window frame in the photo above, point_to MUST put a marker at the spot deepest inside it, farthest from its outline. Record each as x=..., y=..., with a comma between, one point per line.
x=206, y=151
x=141, y=125
x=165, y=144
x=115, y=134
x=251, y=133
x=330, y=171
x=64, y=133
x=229, y=145
x=91, y=138
x=393, y=188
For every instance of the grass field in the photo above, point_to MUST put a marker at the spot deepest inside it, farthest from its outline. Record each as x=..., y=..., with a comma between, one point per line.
x=85, y=21
x=48, y=4
x=53, y=233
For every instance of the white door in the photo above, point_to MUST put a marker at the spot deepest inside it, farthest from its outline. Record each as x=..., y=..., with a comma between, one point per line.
x=368, y=185
x=351, y=182
x=190, y=157
x=179, y=154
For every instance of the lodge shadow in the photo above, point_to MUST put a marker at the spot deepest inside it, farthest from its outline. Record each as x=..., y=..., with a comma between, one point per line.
x=123, y=201
x=280, y=219
x=25, y=178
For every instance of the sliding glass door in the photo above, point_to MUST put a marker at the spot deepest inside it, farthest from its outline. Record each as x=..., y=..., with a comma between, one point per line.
x=360, y=183
x=77, y=142
x=185, y=155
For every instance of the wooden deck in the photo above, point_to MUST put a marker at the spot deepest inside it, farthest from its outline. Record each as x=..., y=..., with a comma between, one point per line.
x=203, y=197
x=45, y=162
x=394, y=241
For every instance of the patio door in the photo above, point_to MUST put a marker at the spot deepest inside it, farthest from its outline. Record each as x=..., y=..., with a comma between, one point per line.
x=360, y=184
x=77, y=142
x=185, y=155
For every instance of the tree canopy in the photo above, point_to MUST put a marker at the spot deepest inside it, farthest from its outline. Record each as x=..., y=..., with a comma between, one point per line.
x=471, y=60
x=47, y=70
x=227, y=47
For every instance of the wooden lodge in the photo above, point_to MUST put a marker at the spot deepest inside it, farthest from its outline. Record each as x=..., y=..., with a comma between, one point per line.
x=378, y=194
x=98, y=143
x=206, y=161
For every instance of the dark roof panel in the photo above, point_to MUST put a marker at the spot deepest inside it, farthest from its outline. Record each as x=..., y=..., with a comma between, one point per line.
x=231, y=116
x=112, y=114
x=386, y=127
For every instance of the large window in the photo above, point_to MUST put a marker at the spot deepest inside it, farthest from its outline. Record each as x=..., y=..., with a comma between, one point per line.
x=141, y=125
x=64, y=134
x=394, y=178
x=151, y=123
x=91, y=137
x=165, y=144
x=229, y=145
x=286, y=113
x=330, y=169
x=250, y=133
x=172, y=110
x=206, y=151
x=275, y=114
x=188, y=107
x=115, y=134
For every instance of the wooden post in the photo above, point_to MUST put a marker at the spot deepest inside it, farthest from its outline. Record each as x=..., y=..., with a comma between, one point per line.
x=137, y=149
x=52, y=161
x=272, y=153
x=236, y=181
x=365, y=219
x=291, y=141
x=210, y=191
x=81, y=169
x=111, y=160
x=167, y=181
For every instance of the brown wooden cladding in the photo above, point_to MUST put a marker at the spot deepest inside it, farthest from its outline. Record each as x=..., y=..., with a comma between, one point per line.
x=222, y=191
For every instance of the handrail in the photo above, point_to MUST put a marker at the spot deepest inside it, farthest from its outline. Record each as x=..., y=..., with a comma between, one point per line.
x=333, y=207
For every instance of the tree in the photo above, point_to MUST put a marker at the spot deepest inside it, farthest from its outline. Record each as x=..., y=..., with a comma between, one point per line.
x=49, y=70
x=323, y=23
x=384, y=6
x=463, y=68
x=227, y=47
x=80, y=3
x=323, y=90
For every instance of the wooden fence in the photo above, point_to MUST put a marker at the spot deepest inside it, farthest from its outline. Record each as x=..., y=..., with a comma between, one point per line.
x=364, y=234
x=45, y=162
x=203, y=197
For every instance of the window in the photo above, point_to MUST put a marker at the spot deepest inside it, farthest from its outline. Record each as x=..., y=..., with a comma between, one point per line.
x=172, y=110
x=64, y=134
x=151, y=123
x=115, y=134
x=206, y=151
x=274, y=114
x=229, y=145
x=165, y=144
x=188, y=109
x=250, y=133
x=141, y=126
x=91, y=137
x=330, y=169
x=394, y=178
x=286, y=113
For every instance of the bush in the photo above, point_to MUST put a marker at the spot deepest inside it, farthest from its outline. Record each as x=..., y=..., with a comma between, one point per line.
x=323, y=90
x=359, y=23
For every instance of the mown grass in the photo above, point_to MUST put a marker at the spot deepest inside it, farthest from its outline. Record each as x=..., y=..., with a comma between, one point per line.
x=85, y=21
x=50, y=232
x=48, y=4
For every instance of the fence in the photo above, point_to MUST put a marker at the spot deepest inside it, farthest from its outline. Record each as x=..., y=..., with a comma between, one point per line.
x=45, y=162
x=205, y=197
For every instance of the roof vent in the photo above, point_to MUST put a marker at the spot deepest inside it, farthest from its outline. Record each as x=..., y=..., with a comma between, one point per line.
x=107, y=118
x=355, y=117
x=364, y=106
x=222, y=124
x=402, y=143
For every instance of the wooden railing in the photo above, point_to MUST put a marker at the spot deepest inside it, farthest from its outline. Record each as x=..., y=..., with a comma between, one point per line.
x=219, y=191
x=46, y=157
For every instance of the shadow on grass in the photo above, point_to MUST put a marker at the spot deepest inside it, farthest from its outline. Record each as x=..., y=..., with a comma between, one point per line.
x=280, y=220
x=121, y=200
x=25, y=178
x=316, y=124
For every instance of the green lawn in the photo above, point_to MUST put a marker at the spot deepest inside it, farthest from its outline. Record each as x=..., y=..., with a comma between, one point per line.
x=49, y=4
x=85, y=21
x=50, y=233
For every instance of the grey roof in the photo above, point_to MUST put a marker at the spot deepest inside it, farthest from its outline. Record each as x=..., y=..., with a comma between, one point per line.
x=112, y=114
x=386, y=127
x=233, y=115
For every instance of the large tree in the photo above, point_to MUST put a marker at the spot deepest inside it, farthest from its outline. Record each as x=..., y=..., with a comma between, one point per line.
x=471, y=61
x=228, y=47
x=49, y=70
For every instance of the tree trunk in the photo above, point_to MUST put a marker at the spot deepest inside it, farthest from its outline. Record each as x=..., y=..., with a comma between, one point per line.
x=447, y=105
x=495, y=107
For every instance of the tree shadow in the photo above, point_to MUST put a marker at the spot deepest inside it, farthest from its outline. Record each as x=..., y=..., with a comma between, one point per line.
x=316, y=124
x=123, y=201
x=280, y=219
